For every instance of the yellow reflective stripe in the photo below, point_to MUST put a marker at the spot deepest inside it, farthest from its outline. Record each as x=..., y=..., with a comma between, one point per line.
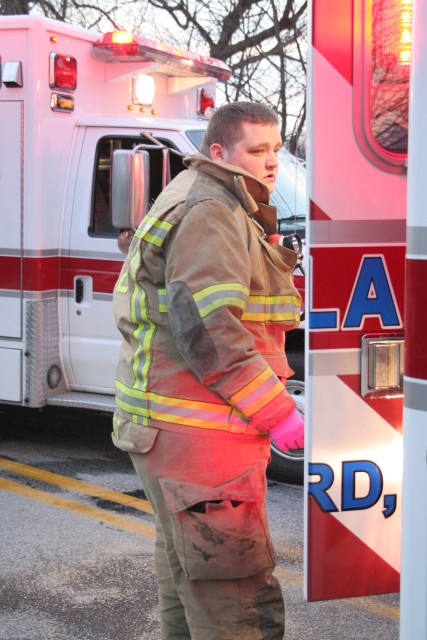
x=271, y=300
x=130, y=408
x=188, y=421
x=186, y=406
x=252, y=386
x=139, y=420
x=272, y=317
x=134, y=262
x=124, y=390
x=240, y=427
x=207, y=415
x=259, y=392
x=229, y=286
x=228, y=294
x=272, y=308
x=143, y=334
x=153, y=230
x=264, y=399
x=224, y=302
x=163, y=305
x=122, y=285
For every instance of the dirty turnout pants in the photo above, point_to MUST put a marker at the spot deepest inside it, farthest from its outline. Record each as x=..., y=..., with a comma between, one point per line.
x=213, y=554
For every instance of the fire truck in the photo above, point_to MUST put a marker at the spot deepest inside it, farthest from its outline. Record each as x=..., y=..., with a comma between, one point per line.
x=74, y=104
x=366, y=401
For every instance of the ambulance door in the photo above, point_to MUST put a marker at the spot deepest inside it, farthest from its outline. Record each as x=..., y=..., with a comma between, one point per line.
x=11, y=114
x=91, y=340
x=358, y=126
x=91, y=264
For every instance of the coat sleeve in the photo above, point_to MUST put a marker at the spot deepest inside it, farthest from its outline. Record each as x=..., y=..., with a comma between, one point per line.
x=208, y=274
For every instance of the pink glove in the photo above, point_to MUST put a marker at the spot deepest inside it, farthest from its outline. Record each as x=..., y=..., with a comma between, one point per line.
x=289, y=432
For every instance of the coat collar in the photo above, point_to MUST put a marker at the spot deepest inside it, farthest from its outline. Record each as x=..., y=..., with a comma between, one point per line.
x=252, y=194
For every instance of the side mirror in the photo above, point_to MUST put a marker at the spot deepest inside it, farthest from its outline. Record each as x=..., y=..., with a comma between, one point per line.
x=129, y=187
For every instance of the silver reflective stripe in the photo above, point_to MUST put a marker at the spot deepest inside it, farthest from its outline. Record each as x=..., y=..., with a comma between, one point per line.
x=194, y=413
x=230, y=294
x=143, y=334
x=332, y=232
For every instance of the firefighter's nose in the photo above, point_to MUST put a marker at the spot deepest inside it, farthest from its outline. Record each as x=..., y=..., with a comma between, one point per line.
x=272, y=160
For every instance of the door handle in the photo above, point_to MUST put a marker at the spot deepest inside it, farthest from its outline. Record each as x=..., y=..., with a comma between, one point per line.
x=78, y=290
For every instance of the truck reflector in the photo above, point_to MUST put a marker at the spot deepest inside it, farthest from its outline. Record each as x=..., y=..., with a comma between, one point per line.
x=120, y=46
x=62, y=72
x=62, y=102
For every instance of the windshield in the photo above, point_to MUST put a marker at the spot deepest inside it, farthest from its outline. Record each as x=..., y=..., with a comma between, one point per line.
x=289, y=195
x=196, y=136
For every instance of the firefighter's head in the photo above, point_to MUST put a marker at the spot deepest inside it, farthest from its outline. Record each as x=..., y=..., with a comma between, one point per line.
x=246, y=135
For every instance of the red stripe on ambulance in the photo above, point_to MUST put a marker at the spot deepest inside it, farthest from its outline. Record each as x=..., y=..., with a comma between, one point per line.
x=416, y=350
x=332, y=34
x=349, y=567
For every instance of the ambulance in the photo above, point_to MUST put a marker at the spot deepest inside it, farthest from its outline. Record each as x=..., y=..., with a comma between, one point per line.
x=366, y=399
x=73, y=103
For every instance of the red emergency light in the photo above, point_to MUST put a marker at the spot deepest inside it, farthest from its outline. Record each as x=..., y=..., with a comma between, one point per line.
x=119, y=47
x=62, y=72
x=381, y=77
x=205, y=102
x=392, y=38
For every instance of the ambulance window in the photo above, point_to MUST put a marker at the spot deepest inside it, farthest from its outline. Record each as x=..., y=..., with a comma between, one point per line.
x=196, y=137
x=101, y=197
x=388, y=89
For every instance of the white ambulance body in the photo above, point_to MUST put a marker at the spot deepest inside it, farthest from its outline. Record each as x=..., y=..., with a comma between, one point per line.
x=69, y=99
x=367, y=273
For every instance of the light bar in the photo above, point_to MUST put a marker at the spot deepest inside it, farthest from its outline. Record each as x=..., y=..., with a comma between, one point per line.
x=405, y=29
x=171, y=60
x=392, y=34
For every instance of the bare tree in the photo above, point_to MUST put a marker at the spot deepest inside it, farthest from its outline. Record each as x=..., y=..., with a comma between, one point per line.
x=14, y=7
x=93, y=14
x=263, y=41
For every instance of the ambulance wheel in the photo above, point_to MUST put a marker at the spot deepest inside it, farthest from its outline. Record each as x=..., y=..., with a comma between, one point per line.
x=289, y=466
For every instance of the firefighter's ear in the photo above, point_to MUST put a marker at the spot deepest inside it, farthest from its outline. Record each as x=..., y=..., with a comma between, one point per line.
x=217, y=152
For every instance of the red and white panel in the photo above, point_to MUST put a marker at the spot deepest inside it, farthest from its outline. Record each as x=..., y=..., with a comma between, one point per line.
x=413, y=619
x=356, y=287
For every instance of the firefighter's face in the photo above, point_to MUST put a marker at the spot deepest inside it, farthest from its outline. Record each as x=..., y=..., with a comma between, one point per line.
x=256, y=152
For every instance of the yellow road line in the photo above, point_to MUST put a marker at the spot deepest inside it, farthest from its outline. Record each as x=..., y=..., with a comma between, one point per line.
x=378, y=608
x=120, y=522
x=127, y=524
x=74, y=485
x=293, y=579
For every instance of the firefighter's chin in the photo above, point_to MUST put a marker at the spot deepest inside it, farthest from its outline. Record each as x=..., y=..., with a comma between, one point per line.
x=270, y=182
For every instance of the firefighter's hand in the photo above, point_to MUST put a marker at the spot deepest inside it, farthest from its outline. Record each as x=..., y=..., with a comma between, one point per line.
x=289, y=432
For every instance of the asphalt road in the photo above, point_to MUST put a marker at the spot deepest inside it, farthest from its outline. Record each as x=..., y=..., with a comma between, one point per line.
x=77, y=538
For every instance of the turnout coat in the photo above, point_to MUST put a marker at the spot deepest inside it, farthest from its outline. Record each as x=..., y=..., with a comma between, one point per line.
x=203, y=303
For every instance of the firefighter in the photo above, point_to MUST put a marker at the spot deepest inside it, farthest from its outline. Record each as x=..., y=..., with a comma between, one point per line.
x=203, y=303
